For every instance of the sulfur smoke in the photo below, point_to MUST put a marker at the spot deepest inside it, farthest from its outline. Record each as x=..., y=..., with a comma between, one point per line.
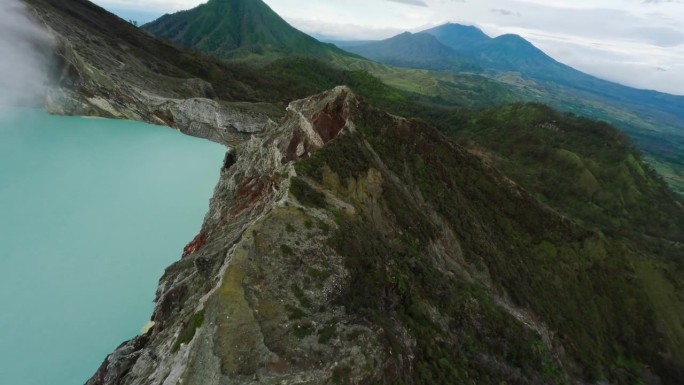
x=24, y=51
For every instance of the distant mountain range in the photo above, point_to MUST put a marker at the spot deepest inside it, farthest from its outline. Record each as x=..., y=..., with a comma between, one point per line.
x=419, y=50
x=503, y=53
x=451, y=65
x=648, y=116
x=513, y=53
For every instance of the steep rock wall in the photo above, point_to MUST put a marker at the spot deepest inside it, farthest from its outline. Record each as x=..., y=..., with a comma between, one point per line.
x=97, y=75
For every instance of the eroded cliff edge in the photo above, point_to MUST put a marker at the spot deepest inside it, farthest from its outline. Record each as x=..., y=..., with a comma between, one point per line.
x=103, y=66
x=211, y=326
x=346, y=245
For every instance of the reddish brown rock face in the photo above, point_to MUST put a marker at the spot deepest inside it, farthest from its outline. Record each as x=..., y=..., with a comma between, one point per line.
x=194, y=245
x=328, y=126
x=329, y=122
x=251, y=190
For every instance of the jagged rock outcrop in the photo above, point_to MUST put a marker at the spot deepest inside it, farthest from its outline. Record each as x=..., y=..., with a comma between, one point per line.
x=346, y=245
x=231, y=310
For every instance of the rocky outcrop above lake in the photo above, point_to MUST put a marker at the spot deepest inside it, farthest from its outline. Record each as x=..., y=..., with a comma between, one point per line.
x=236, y=307
x=346, y=245
x=103, y=66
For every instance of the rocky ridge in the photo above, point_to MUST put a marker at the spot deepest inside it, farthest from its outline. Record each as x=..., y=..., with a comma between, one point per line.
x=228, y=311
x=346, y=245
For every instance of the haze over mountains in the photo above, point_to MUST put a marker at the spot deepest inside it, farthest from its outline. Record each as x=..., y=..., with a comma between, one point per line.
x=419, y=50
x=512, y=53
x=505, y=53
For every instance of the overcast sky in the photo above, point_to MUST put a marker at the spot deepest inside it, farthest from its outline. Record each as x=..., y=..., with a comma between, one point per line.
x=635, y=42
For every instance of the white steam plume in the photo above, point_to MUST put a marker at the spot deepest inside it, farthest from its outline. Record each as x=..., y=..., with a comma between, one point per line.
x=24, y=52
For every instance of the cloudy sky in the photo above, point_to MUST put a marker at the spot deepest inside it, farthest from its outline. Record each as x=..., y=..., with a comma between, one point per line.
x=635, y=42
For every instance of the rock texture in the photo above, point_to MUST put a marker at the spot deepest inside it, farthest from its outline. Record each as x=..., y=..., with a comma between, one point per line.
x=105, y=67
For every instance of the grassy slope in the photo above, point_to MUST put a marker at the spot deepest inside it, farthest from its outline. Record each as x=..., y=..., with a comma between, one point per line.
x=598, y=291
x=585, y=169
x=591, y=173
x=446, y=89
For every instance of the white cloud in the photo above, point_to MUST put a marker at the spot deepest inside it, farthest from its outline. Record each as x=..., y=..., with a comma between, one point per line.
x=652, y=68
x=23, y=68
x=419, y=3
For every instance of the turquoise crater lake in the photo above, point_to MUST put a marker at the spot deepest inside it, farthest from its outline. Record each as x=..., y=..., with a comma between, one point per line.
x=91, y=212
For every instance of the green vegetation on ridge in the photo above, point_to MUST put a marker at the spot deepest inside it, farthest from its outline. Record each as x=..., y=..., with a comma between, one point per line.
x=586, y=168
x=583, y=285
x=654, y=120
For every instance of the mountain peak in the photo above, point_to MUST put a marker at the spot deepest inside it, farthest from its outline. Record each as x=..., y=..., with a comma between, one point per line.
x=507, y=52
x=457, y=36
x=458, y=27
x=415, y=50
x=236, y=29
x=519, y=53
x=513, y=39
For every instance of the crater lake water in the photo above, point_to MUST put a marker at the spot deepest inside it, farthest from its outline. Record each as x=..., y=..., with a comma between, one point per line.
x=91, y=212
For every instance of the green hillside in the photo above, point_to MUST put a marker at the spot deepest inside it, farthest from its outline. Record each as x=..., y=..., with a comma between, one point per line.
x=250, y=31
x=563, y=250
x=585, y=168
x=236, y=29
x=515, y=70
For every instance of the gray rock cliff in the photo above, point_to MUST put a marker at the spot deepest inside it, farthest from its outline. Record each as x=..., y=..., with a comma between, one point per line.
x=95, y=74
x=229, y=310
